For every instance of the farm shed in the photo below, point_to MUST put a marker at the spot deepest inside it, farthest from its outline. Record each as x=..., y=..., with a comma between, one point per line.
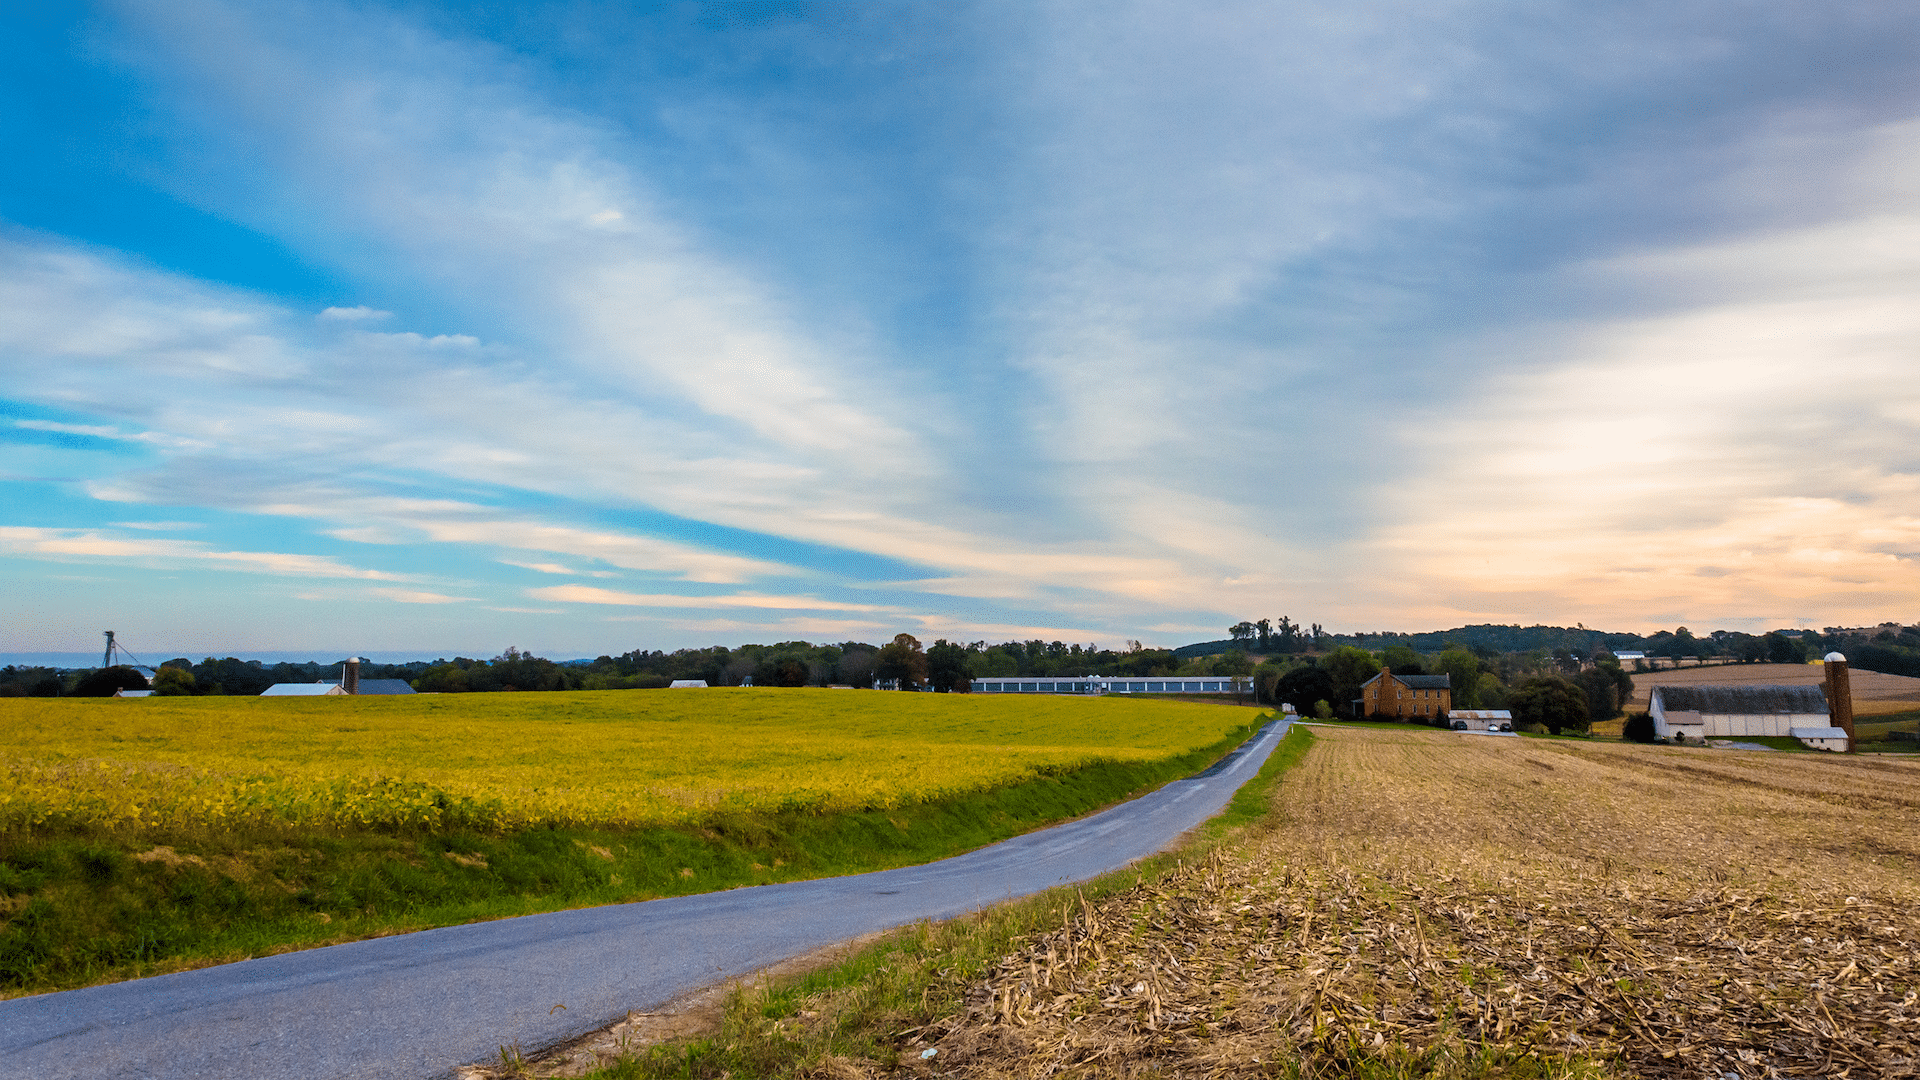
x=304, y=689
x=1483, y=719
x=688, y=684
x=1702, y=712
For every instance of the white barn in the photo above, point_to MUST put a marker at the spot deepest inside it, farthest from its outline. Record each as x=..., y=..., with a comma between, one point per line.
x=1101, y=684
x=1730, y=712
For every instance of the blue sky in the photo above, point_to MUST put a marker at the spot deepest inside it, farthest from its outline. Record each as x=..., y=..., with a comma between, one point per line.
x=587, y=327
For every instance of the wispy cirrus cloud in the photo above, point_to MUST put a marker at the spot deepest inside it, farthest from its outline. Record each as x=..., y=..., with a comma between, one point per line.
x=586, y=594
x=1048, y=321
x=83, y=544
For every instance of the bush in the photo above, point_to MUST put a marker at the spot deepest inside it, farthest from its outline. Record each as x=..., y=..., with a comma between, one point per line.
x=1322, y=710
x=1639, y=728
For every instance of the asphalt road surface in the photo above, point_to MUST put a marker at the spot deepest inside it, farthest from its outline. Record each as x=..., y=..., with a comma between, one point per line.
x=417, y=1005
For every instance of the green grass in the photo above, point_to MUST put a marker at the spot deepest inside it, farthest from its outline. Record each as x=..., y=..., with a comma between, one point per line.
x=1872, y=733
x=89, y=904
x=866, y=1006
x=1777, y=742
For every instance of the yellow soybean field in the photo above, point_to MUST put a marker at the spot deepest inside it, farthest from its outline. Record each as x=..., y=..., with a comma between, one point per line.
x=618, y=759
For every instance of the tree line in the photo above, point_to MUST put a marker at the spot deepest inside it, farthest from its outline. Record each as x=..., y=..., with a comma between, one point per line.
x=1557, y=694
x=1501, y=656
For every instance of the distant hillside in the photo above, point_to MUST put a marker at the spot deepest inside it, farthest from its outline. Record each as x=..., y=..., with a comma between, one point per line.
x=1209, y=648
x=1485, y=637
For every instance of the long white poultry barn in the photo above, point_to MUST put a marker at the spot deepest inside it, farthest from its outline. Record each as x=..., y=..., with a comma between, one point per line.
x=1730, y=712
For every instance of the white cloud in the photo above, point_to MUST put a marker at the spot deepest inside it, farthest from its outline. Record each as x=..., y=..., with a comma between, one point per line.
x=1745, y=458
x=542, y=567
x=361, y=313
x=414, y=596
x=586, y=594
x=93, y=544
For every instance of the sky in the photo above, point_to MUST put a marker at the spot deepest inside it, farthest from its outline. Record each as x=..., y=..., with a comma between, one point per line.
x=587, y=327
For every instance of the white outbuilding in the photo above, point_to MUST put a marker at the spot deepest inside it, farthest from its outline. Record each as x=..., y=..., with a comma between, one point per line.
x=1732, y=712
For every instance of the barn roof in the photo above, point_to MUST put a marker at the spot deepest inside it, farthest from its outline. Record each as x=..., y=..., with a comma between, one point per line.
x=302, y=689
x=384, y=686
x=1742, y=700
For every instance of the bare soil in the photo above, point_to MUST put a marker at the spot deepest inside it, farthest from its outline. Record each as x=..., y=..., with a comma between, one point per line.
x=1426, y=905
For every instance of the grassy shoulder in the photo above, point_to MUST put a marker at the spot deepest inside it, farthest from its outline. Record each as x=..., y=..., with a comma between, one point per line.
x=870, y=1006
x=86, y=905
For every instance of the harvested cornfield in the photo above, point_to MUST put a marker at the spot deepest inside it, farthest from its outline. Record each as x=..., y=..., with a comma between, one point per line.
x=1427, y=904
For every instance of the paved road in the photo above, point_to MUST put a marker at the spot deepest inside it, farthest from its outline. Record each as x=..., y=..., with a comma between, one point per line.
x=417, y=1005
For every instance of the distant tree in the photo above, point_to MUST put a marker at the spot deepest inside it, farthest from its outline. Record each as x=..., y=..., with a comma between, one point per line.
x=1264, y=632
x=1233, y=662
x=171, y=681
x=1607, y=688
x=1303, y=686
x=782, y=671
x=1402, y=660
x=902, y=659
x=1489, y=691
x=1551, y=701
x=947, y=668
x=107, y=681
x=992, y=662
x=1349, y=668
x=1462, y=670
x=1782, y=649
x=857, y=665
x=1243, y=631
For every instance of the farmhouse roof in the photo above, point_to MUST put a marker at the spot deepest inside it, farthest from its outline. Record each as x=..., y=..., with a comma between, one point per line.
x=1742, y=700
x=1418, y=682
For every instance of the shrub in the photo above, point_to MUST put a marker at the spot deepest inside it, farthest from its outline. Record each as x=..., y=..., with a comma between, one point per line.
x=1639, y=728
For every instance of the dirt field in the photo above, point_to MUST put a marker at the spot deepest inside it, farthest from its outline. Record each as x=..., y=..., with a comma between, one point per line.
x=1869, y=687
x=1434, y=905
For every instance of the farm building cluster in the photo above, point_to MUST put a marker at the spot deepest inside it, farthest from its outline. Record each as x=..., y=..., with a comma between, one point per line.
x=1820, y=717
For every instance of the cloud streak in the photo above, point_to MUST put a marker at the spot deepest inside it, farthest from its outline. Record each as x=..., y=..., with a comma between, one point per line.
x=1036, y=320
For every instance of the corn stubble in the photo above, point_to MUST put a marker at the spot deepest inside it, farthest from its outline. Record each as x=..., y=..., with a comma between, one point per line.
x=1423, y=904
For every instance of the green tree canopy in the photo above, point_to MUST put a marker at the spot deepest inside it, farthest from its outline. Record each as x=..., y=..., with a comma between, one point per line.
x=947, y=668
x=902, y=659
x=1233, y=662
x=1402, y=660
x=1551, y=701
x=171, y=681
x=1349, y=668
x=1462, y=670
x=108, y=681
x=1607, y=689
